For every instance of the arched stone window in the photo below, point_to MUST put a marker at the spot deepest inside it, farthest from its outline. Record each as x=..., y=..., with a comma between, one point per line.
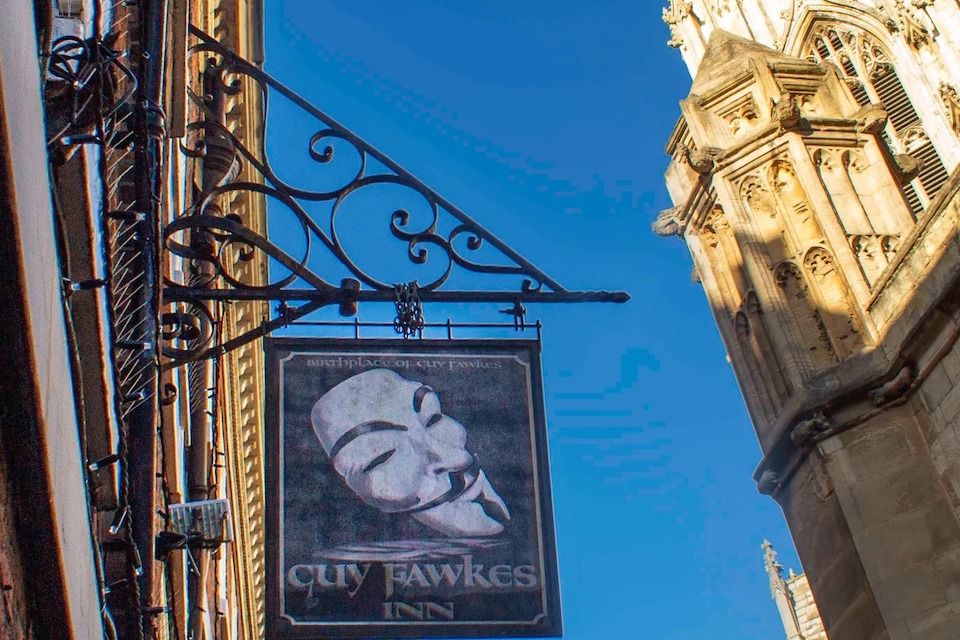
x=872, y=78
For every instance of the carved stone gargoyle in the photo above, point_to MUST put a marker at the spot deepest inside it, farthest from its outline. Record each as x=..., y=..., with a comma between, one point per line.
x=787, y=112
x=908, y=167
x=871, y=119
x=893, y=389
x=666, y=223
x=805, y=430
x=768, y=482
x=703, y=162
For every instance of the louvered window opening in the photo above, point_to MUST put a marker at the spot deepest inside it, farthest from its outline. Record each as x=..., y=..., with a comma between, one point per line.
x=874, y=80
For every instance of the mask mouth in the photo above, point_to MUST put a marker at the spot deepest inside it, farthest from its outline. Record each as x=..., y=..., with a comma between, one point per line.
x=461, y=481
x=492, y=509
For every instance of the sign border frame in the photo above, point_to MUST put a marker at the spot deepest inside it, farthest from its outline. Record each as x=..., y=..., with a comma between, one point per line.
x=276, y=624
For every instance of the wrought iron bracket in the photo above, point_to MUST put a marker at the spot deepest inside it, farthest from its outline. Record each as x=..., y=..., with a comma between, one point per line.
x=438, y=239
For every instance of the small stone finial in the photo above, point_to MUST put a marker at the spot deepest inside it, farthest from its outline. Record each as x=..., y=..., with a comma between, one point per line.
x=773, y=569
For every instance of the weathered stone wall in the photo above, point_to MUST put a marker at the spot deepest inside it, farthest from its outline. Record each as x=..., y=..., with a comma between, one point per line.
x=805, y=609
x=825, y=545
x=903, y=525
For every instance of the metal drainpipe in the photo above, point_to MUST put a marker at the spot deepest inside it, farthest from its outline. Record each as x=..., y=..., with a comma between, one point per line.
x=217, y=162
x=142, y=422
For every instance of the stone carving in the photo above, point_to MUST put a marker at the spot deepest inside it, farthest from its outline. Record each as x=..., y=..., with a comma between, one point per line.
x=913, y=137
x=741, y=325
x=673, y=15
x=914, y=31
x=870, y=256
x=854, y=161
x=666, y=223
x=794, y=198
x=812, y=331
x=889, y=245
x=708, y=233
x=894, y=389
x=809, y=103
x=951, y=101
x=839, y=319
x=774, y=569
x=721, y=250
x=789, y=278
x=719, y=7
x=768, y=482
x=872, y=119
x=876, y=64
x=787, y=113
x=825, y=159
x=805, y=430
x=874, y=252
x=820, y=262
x=742, y=117
x=703, y=162
x=907, y=167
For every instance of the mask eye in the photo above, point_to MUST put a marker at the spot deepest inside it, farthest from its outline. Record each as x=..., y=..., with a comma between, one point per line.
x=379, y=460
x=428, y=409
x=419, y=395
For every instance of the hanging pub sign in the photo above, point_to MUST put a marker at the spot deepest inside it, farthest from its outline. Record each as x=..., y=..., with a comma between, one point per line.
x=408, y=491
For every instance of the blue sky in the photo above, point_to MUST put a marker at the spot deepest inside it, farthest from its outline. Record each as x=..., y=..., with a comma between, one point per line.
x=546, y=122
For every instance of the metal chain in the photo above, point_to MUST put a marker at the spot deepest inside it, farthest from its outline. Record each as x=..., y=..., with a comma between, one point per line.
x=409, y=320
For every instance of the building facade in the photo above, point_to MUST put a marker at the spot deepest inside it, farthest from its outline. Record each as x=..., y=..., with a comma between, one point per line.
x=814, y=172
x=795, y=604
x=113, y=434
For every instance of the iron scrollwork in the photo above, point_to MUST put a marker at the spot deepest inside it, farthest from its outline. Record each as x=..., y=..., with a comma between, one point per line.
x=439, y=239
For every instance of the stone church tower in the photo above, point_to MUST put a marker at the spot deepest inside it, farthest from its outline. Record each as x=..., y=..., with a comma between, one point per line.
x=814, y=172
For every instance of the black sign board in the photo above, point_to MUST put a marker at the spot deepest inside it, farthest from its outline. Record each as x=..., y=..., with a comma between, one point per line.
x=408, y=491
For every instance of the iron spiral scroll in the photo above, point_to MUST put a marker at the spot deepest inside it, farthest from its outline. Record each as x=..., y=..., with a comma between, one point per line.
x=439, y=240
